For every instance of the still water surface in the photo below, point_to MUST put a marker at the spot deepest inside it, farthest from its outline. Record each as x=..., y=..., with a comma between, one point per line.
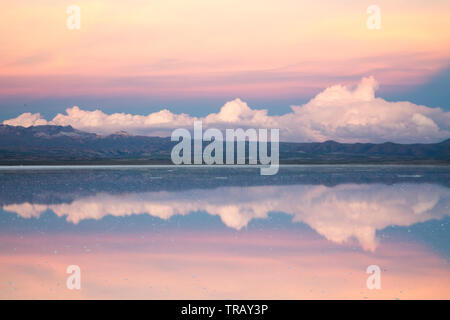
x=163, y=232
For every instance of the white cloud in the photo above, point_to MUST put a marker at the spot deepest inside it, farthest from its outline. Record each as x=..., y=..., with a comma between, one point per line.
x=27, y=120
x=338, y=113
x=342, y=114
x=99, y=122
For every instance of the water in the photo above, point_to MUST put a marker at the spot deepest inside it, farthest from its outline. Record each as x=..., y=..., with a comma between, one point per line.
x=225, y=233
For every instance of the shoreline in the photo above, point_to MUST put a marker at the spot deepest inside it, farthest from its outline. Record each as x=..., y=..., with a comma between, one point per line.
x=204, y=166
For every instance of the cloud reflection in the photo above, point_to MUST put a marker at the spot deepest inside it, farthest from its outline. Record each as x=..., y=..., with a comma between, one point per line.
x=338, y=213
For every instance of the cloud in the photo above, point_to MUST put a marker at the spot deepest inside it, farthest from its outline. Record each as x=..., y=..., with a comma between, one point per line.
x=347, y=115
x=339, y=213
x=340, y=113
x=161, y=122
x=27, y=119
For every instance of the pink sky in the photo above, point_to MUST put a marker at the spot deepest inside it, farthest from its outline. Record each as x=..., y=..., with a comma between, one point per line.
x=299, y=59
x=199, y=265
x=206, y=48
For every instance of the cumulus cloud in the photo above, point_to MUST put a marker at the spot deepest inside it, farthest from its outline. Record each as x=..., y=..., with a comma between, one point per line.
x=27, y=119
x=343, y=114
x=340, y=113
x=99, y=122
x=339, y=213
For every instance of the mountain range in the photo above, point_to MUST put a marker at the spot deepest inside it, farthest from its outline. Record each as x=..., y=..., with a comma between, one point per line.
x=50, y=144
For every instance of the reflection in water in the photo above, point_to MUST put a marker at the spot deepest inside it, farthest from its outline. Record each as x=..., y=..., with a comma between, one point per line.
x=220, y=265
x=338, y=213
x=304, y=233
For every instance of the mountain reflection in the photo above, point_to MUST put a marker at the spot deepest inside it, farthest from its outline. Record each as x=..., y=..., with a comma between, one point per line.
x=338, y=213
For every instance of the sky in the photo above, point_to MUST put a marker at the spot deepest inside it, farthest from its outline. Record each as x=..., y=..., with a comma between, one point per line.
x=242, y=59
x=201, y=265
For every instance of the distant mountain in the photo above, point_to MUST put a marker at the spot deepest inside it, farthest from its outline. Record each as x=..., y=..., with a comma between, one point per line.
x=366, y=152
x=59, y=145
